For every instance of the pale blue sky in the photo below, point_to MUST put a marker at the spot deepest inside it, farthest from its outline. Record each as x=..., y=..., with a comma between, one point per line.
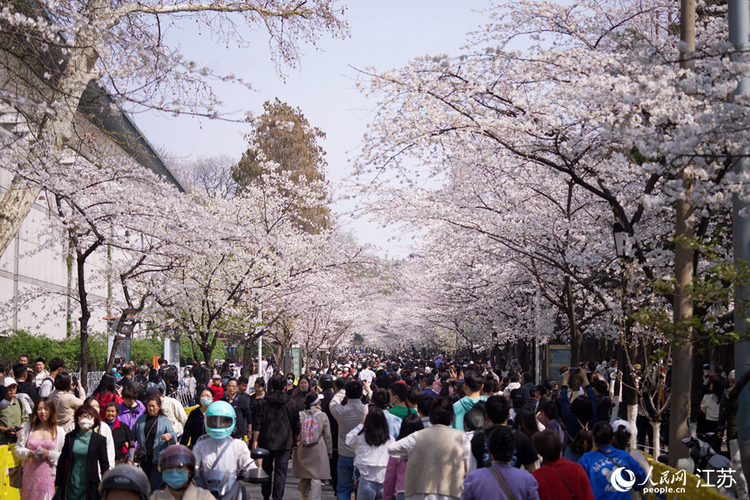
x=385, y=34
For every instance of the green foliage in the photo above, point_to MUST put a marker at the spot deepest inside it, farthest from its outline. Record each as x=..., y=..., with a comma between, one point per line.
x=13, y=344
x=143, y=350
x=186, y=351
x=713, y=294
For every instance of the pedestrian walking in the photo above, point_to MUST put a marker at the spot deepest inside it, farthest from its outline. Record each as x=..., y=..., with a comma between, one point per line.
x=276, y=427
x=310, y=461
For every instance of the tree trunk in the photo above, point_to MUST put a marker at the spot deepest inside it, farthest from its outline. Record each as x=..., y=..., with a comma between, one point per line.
x=682, y=355
x=14, y=208
x=84, y=320
x=632, y=413
x=657, y=438
x=575, y=334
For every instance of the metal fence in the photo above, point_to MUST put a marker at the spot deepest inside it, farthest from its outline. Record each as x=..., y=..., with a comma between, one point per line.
x=92, y=380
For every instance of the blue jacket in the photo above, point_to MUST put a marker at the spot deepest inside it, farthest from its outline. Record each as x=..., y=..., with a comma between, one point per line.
x=162, y=427
x=600, y=466
x=569, y=419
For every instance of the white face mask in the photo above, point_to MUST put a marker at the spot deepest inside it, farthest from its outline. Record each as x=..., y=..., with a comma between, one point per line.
x=86, y=423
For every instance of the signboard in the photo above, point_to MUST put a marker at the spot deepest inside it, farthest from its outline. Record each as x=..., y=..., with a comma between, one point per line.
x=172, y=352
x=296, y=362
x=558, y=356
x=123, y=347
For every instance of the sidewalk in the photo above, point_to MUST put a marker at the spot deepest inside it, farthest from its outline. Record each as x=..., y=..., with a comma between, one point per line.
x=290, y=492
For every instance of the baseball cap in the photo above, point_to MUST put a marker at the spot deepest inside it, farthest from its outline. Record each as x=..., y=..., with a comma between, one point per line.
x=621, y=423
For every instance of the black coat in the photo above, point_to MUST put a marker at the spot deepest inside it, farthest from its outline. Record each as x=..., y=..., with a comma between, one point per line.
x=325, y=405
x=241, y=405
x=194, y=428
x=97, y=455
x=276, y=417
x=28, y=388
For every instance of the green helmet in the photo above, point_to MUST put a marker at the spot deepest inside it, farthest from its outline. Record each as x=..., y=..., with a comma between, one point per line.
x=220, y=419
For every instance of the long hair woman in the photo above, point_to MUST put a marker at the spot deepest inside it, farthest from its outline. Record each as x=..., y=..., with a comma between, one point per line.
x=106, y=392
x=83, y=455
x=370, y=444
x=395, y=471
x=39, y=445
x=153, y=433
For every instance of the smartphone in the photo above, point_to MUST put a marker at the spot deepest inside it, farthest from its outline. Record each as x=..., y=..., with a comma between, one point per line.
x=574, y=370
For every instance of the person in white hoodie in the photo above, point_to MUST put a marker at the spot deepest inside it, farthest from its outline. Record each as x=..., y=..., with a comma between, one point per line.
x=370, y=442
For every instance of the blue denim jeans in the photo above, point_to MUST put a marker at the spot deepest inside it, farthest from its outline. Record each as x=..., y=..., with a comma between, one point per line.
x=369, y=490
x=345, y=480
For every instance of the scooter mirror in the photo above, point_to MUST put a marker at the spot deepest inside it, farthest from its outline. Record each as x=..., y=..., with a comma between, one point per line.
x=256, y=476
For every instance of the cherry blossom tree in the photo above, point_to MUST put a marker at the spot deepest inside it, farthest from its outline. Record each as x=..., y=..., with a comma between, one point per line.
x=536, y=152
x=53, y=53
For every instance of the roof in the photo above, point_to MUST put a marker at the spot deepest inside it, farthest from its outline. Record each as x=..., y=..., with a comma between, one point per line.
x=98, y=106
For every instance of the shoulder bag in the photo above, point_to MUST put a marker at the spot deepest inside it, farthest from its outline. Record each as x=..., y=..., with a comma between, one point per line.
x=502, y=482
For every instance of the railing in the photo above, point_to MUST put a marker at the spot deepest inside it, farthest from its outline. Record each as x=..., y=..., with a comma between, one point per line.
x=671, y=484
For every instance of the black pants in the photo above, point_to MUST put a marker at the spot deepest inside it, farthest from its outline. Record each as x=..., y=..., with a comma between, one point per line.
x=334, y=462
x=645, y=430
x=275, y=466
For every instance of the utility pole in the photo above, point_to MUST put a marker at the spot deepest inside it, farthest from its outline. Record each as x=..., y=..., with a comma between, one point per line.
x=739, y=34
x=682, y=355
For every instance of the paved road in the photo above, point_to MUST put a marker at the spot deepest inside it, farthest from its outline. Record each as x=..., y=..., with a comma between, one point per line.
x=290, y=492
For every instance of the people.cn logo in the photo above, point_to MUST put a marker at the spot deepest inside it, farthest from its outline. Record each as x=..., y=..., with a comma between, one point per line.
x=619, y=483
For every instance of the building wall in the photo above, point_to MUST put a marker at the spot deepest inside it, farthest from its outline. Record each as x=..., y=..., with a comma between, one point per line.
x=34, y=277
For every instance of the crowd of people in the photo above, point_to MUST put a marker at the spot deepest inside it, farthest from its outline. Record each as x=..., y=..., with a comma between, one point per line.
x=378, y=427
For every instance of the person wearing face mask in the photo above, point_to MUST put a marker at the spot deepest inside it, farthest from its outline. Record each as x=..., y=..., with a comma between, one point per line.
x=241, y=407
x=177, y=466
x=39, y=445
x=154, y=433
x=302, y=390
x=83, y=455
x=290, y=387
x=122, y=436
x=194, y=427
x=219, y=458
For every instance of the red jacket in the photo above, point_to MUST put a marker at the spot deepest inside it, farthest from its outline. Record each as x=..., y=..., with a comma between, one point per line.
x=218, y=391
x=566, y=477
x=104, y=400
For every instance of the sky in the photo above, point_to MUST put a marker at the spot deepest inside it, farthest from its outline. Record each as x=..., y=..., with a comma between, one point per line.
x=385, y=34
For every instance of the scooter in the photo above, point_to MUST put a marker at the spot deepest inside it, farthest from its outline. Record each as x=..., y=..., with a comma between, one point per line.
x=704, y=461
x=224, y=486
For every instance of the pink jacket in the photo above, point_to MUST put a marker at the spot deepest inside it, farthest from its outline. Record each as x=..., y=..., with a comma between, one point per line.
x=395, y=473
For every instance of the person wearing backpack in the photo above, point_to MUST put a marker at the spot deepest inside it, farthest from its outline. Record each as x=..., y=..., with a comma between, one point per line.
x=310, y=461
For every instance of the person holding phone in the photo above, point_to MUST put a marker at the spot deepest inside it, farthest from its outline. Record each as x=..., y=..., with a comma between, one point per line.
x=578, y=415
x=39, y=445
